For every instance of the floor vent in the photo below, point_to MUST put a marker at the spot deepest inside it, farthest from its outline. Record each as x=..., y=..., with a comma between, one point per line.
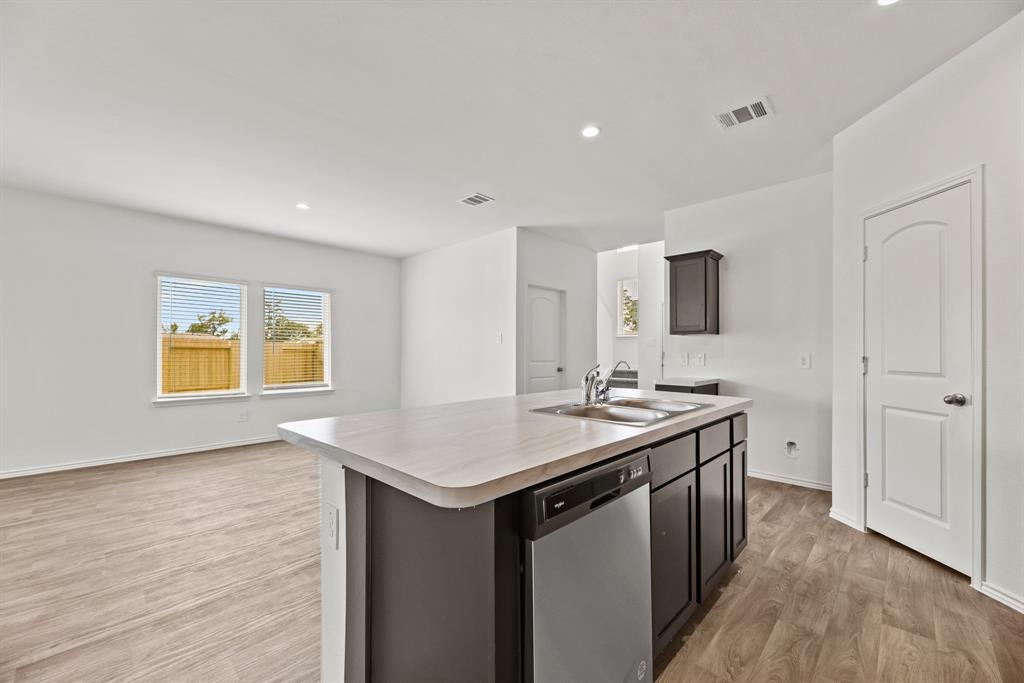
x=756, y=110
x=476, y=199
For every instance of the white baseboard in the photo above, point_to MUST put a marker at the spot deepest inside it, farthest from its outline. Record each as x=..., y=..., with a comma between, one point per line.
x=1003, y=596
x=28, y=471
x=844, y=518
x=795, y=481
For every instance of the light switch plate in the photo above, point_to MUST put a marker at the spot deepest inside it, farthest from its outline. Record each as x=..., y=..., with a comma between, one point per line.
x=699, y=359
x=330, y=521
x=804, y=360
x=684, y=359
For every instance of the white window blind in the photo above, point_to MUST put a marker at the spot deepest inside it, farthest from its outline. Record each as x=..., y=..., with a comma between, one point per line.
x=201, y=337
x=296, y=338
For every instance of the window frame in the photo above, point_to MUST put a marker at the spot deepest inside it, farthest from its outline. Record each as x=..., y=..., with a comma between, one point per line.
x=619, y=311
x=241, y=393
x=306, y=388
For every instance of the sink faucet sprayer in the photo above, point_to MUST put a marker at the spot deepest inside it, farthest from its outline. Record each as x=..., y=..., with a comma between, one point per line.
x=594, y=387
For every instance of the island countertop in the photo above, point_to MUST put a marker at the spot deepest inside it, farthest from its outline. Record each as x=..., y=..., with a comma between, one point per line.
x=463, y=454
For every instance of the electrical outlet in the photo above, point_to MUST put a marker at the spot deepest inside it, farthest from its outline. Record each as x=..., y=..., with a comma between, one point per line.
x=699, y=360
x=330, y=523
x=804, y=360
x=684, y=359
x=243, y=416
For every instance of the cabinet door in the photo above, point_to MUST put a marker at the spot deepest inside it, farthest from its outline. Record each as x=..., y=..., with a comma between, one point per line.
x=687, y=302
x=715, y=550
x=673, y=585
x=739, y=498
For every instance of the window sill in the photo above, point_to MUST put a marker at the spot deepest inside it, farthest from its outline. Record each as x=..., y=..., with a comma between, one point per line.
x=304, y=391
x=206, y=398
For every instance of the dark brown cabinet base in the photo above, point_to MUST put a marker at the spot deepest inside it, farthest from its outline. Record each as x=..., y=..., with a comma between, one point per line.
x=739, y=498
x=698, y=519
x=715, y=552
x=673, y=556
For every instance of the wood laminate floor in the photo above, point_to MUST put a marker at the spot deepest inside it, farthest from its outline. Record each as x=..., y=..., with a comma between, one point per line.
x=205, y=568
x=197, y=568
x=811, y=599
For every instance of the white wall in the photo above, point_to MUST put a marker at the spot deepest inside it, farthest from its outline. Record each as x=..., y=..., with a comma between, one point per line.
x=652, y=271
x=78, y=321
x=547, y=262
x=775, y=285
x=967, y=112
x=613, y=266
x=456, y=301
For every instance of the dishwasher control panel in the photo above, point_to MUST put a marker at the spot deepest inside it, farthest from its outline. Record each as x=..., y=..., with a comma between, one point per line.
x=556, y=503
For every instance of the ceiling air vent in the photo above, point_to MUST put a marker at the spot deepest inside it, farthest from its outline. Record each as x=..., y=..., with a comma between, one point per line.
x=749, y=112
x=476, y=199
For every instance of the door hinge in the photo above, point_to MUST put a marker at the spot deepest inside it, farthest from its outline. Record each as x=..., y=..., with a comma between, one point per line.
x=865, y=252
x=864, y=365
x=865, y=480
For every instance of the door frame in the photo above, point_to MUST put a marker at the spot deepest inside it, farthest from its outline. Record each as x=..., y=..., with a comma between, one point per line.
x=975, y=178
x=524, y=372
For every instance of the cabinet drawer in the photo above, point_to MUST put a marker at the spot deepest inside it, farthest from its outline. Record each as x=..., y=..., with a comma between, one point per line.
x=714, y=440
x=671, y=459
x=739, y=429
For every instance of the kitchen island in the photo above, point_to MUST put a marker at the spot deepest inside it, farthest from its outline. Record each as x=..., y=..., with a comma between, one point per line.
x=422, y=527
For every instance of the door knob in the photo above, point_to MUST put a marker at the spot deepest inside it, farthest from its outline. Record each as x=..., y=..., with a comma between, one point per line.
x=954, y=399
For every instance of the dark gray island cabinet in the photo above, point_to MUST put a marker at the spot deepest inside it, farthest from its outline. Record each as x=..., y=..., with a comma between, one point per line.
x=425, y=550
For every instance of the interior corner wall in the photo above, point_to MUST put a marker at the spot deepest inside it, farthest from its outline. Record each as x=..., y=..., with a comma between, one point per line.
x=775, y=302
x=459, y=321
x=78, y=307
x=652, y=271
x=546, y=262
x=967, y=112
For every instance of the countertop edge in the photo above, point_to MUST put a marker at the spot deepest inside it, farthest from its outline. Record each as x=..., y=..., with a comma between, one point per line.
x=487, y=491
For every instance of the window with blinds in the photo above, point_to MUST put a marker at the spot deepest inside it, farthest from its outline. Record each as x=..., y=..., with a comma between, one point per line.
x=201, y=333
x=296, y=338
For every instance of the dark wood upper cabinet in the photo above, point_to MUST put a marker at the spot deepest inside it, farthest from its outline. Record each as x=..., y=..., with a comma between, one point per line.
x=693, y=292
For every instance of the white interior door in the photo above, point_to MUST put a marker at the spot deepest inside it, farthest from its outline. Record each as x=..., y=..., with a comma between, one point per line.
x=918, y=341
x=545, y=366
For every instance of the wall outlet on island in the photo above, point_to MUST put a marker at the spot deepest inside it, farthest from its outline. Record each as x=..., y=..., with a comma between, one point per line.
x=330, y=523
x=803, y=360
x=243, y=416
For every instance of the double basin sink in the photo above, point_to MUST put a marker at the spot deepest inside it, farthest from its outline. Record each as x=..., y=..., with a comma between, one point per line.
x=636, y=412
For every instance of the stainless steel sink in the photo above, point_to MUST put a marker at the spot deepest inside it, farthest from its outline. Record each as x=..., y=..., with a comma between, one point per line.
x=664, y=405
x=635, y=412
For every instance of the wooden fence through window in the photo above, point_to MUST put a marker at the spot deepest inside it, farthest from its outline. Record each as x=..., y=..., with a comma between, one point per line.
x=198, y=362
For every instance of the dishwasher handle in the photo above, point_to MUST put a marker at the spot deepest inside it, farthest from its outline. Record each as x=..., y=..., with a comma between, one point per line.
x=554, y=504
x=606, y=498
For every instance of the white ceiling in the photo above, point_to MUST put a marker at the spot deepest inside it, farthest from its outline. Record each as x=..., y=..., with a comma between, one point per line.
x=382, y=115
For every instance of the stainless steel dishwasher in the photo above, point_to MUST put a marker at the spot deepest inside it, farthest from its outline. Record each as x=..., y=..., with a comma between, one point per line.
x=588, y=576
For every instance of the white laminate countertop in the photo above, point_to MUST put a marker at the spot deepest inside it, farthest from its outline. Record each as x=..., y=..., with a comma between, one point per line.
x=687, y=381
x=464, y=454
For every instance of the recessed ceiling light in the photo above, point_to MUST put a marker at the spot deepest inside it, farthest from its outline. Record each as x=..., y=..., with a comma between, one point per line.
x=590, y=131
x=883, y=3
x=302, y=206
